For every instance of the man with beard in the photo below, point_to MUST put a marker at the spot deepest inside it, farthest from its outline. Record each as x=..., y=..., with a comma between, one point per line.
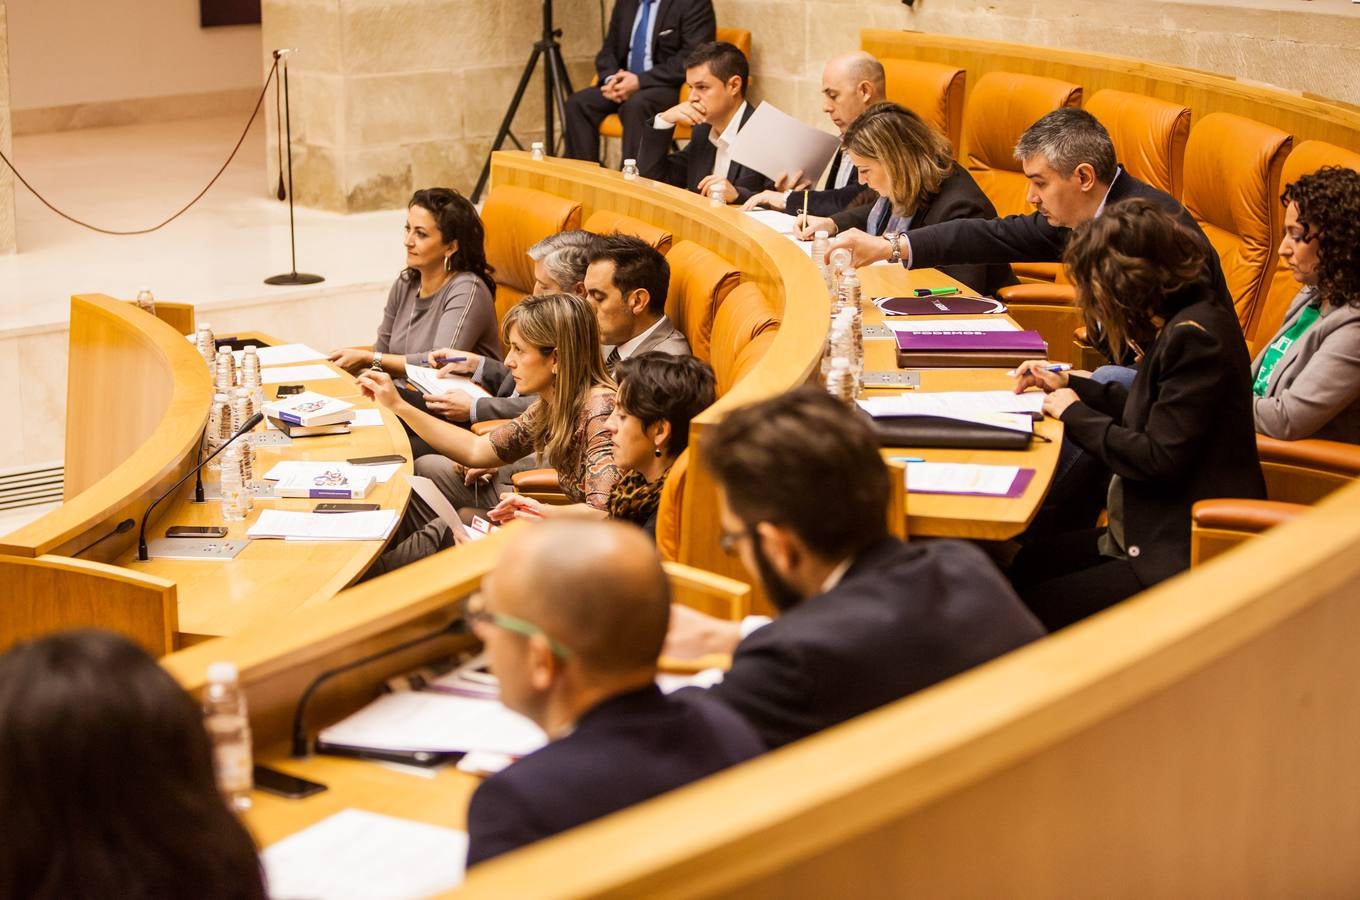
x=863, y=618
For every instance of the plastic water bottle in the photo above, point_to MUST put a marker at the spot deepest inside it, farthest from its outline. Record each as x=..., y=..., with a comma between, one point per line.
x=536, y=150
x=228, y=727
x=240, y=412
x=219, y=427
x=250, y=378
x=630, y=170
x=206, y=344
x=146, y=300
x=821, y=240
x=717, y=195
x=839, y=263
x=224, y=371
x=839, y=382
x=236, y=500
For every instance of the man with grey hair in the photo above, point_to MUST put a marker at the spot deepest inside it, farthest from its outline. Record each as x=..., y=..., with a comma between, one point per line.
x=560, y=262
x=1069, y=160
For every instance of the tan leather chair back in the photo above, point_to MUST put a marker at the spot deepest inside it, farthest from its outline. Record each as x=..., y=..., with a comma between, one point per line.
x=608, y=222
x=1149, y=136
x=700, y=280
x=668, y=509
x=1306, y=158
x=516, y=218
x=1232, y=188
x=932, y=91
x=752, y=354
x=1000, y=108
x=744, y=315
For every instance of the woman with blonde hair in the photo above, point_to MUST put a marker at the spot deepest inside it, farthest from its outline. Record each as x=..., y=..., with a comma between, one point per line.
x=554, y=352
x=912, y=169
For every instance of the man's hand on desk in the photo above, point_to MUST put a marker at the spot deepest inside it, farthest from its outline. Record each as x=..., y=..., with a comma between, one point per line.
x=456, y=405
x=692, y=634
x=865, y=249
x=352, y=359
x=805, y=228
x=769, y=199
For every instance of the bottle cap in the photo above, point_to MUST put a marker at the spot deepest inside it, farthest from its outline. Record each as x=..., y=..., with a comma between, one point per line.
x=630, y=162
x=223, y=671
x=822, y=235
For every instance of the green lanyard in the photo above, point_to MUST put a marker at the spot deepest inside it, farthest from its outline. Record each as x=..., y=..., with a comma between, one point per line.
x=1281, y=345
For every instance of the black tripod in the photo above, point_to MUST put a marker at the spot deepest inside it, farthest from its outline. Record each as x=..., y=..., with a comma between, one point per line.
x=556, y=90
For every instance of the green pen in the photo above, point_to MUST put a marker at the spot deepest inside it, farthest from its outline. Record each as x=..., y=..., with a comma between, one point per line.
x=935, y=292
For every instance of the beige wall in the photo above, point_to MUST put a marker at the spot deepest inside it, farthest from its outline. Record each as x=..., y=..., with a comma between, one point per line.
x=7, y=238
x=76, y=63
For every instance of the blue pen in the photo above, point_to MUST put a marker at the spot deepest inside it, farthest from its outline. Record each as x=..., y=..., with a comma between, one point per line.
x=1055, y=368
x=908, y=459
x=445, y=360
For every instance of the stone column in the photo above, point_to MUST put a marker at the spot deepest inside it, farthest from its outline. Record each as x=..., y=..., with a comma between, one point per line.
x=393, y=95
x=8, y=243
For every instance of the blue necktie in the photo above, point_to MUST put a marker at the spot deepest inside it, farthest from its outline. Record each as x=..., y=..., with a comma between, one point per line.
x=637, y=56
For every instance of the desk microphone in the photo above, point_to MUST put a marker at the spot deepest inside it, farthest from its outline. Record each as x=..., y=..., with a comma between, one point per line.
x=122, y=527
x=299, y=722
x=141, y=534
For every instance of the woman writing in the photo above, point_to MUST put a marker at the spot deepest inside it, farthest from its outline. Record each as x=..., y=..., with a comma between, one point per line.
x=658, y=396
x=1182, y=432
x=912, y=168
x=1306, y=383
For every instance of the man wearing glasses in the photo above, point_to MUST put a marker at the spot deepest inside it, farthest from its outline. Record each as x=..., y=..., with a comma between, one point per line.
x=573, y=622
x=864, y=619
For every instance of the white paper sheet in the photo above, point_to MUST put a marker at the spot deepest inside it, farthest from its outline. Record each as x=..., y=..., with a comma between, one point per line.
x=359, y=855
x=435, y=722
x=303, y=467
x=960, y=478
x=772, y=141
x=954, y=403
x=429, y=381
x=366, y=418
x=780, y=221
x=282, y=355
x=297, y=374
x=976, y=323
x=374, y=525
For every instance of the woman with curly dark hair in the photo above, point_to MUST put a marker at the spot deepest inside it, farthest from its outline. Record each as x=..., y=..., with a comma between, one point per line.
x=1307, y=380
x=1181, y=432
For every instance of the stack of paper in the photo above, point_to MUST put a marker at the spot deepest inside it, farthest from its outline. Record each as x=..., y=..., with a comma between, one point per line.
x=297, y=374
x=975, y=323
x=429, y=381
x=374, y=525
x=432, y=722
x=282, y=355
x=310, y=468
x=359, y=855
x=954, y=403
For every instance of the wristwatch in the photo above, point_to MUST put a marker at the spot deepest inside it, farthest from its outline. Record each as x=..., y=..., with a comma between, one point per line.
x=376, y=365
x=895, y=256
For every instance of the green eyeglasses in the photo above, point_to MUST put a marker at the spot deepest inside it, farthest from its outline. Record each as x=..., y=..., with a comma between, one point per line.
x=475, y=612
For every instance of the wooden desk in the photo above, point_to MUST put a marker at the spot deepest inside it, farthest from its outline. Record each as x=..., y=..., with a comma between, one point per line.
x=945, y=515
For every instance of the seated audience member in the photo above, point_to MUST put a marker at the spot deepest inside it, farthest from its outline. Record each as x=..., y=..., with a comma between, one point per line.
x=445, y=295
x=910, y=166
x=658, y=395
x=1307, y=380
x=573, y=622
x=106, y=779
x=554, y=352
x=627, y=283
x=864, y=619
x=850, y=84
x=1183, y=431
x=640, y=68
x=1069, y=160
x=717, y=74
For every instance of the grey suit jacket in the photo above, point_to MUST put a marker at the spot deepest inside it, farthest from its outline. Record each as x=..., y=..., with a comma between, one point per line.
x=665, y=338
x=1314, y=390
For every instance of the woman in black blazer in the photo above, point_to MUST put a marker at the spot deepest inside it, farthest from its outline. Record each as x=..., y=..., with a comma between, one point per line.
x=1182, y=432
x=917, y=183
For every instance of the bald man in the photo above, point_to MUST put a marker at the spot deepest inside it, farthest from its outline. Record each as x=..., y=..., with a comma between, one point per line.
x=573, y=622
x=850, y=84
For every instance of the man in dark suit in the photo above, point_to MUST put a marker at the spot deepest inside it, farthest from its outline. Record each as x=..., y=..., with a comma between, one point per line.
x=640, y=70
x=717, y=74
x=573, y=622
x=627, y=282
x=864, y=619
x=1070, y=162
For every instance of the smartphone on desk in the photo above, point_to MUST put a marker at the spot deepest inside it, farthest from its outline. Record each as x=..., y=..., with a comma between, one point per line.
x=345, y=507
x=272, y=781
x=196, y=531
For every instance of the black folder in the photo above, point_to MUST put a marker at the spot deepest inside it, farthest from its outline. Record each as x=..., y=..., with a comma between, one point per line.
x=942, y=431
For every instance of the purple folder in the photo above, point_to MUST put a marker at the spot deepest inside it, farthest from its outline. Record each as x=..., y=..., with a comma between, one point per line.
x=1017, y=488
x=965, y=341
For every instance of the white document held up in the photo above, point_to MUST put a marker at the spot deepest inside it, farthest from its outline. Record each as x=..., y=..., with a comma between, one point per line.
x=429, y=381
x=412, y=721
x=373, y=525
x=297, y=374
x=954, y=403
x=960, y=478
x=282, y=355
x=772, y=141
x=359, y=855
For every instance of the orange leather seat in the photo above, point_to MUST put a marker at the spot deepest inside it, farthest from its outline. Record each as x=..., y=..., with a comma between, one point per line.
x=745, y=315
x=1281, y=287
x=608, y=222
x=700, y=280
x=1232, y=188
x=612, y=127
x=515, y=219
x=1149, y=136
x=932, y=91
x=668, y=508
x=1000, y=108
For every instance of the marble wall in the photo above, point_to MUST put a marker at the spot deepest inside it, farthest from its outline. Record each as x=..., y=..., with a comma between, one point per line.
x=7, y=236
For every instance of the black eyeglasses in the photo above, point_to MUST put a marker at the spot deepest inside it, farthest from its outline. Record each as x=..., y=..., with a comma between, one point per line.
x=727, y=540
x=475, y=612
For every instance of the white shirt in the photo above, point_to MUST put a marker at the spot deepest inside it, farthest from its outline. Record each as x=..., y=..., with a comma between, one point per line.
x=843, y=174
x=1106, y=199
x=630, y=346
x=723, y=160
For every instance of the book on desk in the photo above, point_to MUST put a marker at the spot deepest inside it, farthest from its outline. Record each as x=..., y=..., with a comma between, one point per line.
x=968, y=349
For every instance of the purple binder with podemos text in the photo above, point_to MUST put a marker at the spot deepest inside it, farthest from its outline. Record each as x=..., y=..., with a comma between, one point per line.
x=964, y=348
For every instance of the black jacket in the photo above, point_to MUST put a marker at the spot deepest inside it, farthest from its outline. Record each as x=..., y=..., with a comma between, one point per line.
x=903, y=617
x=687, y=167
x=681, y=26
x=831, y=200
x=1031, y=239
x=1183, y=432
x=627, y=749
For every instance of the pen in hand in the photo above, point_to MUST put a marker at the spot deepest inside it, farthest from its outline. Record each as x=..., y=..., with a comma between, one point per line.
x=1054, y=368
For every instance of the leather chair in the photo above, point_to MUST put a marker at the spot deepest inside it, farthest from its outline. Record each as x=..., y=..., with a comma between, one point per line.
x=607, y=222
x=1281, y=288
x=1000, y=108
x=932, y=91
x=1233, y=167
x=745, y=315
x=1149, y=137
x=612, y=127
x=700, y=280
x=668, y=509
x=516, y=218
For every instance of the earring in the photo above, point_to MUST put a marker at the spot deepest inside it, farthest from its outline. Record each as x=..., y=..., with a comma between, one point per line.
x=448, y=263
x=657, y=451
